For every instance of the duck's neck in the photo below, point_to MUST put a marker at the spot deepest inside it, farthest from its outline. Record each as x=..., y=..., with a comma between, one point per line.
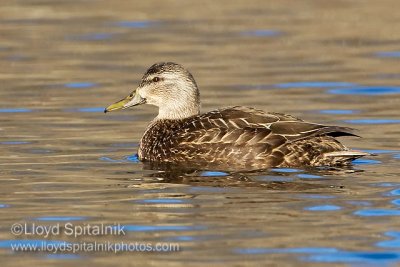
x=178, y=112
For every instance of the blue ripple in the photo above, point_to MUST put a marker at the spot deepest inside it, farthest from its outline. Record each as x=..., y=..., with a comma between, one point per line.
x=394, y=243
x=362, y=161
x=373, y=121
x=390, y=54
x=394, y=192
x=308, y=176
x=213, y=173
x=338, y=111
x=316, y=196
x=130, y=158
x=15, y=110
x=4, y=206
x=386, y=184
x=396, y=202
x=327, y=254
x=139, y=24
x=372, y=257
x=314, y=84
x=133, y=158
x=323, y=208
x=80, y=85
x=97, y=36
x=15, y=143
x=163, y=201
x=377, y=212
x=359, y=203
x=111, y=160
x=261, y=33
x=366, y=90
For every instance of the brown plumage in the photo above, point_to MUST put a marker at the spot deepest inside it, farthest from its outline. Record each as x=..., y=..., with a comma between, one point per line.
x=233, y=137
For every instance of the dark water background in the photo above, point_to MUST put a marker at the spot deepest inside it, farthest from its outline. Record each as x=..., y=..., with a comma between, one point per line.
x=63, y=160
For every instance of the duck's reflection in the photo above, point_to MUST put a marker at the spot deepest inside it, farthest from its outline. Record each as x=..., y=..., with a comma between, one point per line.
x=271, y=179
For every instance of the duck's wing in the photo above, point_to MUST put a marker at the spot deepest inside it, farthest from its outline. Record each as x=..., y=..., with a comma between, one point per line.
x=255, y=138
x=243, y=125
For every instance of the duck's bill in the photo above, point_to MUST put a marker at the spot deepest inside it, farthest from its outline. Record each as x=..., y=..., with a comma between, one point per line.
x=130, y=101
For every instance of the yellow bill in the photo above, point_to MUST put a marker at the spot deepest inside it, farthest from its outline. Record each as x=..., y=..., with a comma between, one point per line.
x=133, y=99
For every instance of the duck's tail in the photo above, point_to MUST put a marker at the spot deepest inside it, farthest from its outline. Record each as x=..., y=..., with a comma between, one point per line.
x=345, y=156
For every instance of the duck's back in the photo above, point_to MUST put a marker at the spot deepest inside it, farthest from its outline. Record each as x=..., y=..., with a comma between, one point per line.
x=242, y=138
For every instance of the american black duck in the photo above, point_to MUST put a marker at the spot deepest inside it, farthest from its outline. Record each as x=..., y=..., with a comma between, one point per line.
x=231, y=137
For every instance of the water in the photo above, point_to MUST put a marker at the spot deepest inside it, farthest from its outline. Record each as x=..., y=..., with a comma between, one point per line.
x=62, y=161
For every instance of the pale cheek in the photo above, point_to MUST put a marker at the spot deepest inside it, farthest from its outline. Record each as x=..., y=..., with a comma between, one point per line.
x=154, y=100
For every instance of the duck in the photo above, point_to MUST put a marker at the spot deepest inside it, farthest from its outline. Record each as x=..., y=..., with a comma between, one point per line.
x=231, y=137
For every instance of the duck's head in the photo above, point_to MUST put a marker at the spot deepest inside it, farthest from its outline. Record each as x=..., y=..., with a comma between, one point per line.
x=168, y=86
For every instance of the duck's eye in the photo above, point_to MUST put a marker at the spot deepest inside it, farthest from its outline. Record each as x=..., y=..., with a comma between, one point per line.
x=131, y=95
x=156, y=79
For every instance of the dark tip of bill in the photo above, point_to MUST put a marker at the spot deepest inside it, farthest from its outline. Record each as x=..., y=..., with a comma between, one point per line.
x=105, y=110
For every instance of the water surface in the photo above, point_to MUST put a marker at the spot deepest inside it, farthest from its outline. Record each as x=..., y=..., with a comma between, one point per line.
x=63, y=161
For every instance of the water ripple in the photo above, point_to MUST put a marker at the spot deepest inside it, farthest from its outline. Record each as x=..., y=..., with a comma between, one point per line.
x=377, y=212
x=130, y=158
x=327, y=254
x=15, y=142
x=362, y=161
x=355, y=257
x=338, y=111
x=80, y=85
x=323, y=208
x=388, y=54
x=138, y=24
x=366, y=90
x=316, y=196
x=314, y=84
x=261, y=33
x=394, y=243
x=394, y=192
x=396, y=202
x=163, y=201
x=15, y=110
x=213, y=173
x=308, y=176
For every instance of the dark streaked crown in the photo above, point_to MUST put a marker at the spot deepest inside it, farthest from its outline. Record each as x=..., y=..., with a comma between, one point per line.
x=169, y=67
x=163, y=67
